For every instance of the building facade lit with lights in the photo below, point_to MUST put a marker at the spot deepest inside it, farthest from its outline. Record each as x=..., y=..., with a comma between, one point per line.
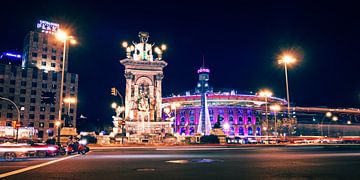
x=239, y=114
x=38, y=73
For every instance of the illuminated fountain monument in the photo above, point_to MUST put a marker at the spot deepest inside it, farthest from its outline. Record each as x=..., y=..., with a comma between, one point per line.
x=144, y=75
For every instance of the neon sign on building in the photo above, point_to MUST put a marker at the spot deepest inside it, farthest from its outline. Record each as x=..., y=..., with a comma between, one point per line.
x=48, y=27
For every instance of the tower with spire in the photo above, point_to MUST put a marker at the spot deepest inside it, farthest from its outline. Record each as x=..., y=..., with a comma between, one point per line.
x=204, y=125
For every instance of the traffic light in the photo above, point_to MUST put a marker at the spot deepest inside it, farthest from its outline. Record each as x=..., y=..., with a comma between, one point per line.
x=48, y=97
x=113, y=91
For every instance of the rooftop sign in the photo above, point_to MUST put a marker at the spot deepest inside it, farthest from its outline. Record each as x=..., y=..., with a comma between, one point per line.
x=48, y=27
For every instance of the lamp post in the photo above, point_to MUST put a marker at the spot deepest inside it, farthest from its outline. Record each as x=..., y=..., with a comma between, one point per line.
x=119, y=110
x=328, y=115
x=287, y=59
x=58, y=125
x=333, y=119
x=266, y=94
x=18, y=116
x=69, y=101
x=276, y=108
x=62, y=36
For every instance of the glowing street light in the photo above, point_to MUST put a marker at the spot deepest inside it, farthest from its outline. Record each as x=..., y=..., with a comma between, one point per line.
x=226, y=126
x=328, y=114
x=58, y=125
x=163, y=47
x=64, y=37
x=124, y=44
x=276, y=108
x=113, y=105
x=266, y=94
x=287, y=59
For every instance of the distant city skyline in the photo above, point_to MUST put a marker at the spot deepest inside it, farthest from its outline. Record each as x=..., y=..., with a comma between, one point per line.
x=240, y=44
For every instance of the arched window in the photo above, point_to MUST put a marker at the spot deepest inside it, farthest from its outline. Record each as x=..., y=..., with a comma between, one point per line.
x=232, y=130
x=192, y=131
x=192, y=120
x=258, y=131
x=240, y=120
x=182, y=121
x=182, y=131
x=250, y=131
x=231, y=119
x=249, y=120
x=241, y=131
x=258, y=120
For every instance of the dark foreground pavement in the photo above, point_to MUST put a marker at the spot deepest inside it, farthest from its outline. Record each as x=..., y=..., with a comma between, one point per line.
x=313, y=162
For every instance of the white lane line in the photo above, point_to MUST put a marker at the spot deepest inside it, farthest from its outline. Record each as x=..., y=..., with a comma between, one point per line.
x=35, y=166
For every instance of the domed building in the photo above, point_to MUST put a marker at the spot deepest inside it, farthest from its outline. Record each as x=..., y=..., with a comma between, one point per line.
x=238, y=113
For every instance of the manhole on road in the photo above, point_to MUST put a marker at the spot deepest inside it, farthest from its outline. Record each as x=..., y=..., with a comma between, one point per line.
x=145, y=170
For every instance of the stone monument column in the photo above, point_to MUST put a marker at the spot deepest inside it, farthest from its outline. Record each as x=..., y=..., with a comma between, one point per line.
x=158, y=93
x=128, y=77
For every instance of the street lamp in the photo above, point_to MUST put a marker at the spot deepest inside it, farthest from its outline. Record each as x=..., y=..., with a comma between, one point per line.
x=69, y=100
x=287, y=59
x=276, y=108
x=328, y=115
x=65, y=38
x=266, y=94
x=58, y=125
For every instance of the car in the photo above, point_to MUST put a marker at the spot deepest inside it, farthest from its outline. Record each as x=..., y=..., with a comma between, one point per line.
x=11, y=151
x=44, y=150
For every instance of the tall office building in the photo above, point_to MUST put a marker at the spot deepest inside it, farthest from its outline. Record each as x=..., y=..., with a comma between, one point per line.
x=36, y=81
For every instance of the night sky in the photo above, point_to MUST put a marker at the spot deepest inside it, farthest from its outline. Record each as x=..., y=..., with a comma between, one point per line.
x=239, y=40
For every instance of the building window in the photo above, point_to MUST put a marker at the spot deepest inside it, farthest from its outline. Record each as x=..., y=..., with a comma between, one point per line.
x=24, y=73
x=32, y=100
x=72, y=88
x=71, y=110
x=249, y=120
x=45, y=76
x=22, y=99
x=44, y=86
x=43, y=63
x=53, y=86
x=52, y=117
x=192, y=120
x=11, y=98
x=240, y=120
x=41, y=124
x=53, y=65
x=45, y=40
x=44, y=49
x=33, y=92
x=42, y=117
x=9, y=115
x=31, y=124
x=53, y=58
x=231, y=119
x=54, y=76
x=31, y=116
x=1, y=81
x=23, y=83
x=73, y=77
x=52, y=109
x=22, y=91
x=12, y=82
x=10, y=106
x=34, y=54
x=231, y=111
x=53, y=50
x=51, y=125
x=34, y=84
x=32, y=108
x=42, y=109
x=35, y=74
x=11, y=90
x=1, y=89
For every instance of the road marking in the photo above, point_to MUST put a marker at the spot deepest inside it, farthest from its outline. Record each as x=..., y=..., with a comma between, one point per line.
x=202, y=149
x=34, y=167
x=145, y=169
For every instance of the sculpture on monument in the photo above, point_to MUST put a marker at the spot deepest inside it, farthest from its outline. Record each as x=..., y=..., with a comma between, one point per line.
x=143, y=93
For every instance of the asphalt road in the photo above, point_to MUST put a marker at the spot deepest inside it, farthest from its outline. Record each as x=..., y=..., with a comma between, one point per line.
x=309, y=162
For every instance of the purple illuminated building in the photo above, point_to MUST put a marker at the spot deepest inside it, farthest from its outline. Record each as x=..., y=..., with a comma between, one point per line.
x=239, y=114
